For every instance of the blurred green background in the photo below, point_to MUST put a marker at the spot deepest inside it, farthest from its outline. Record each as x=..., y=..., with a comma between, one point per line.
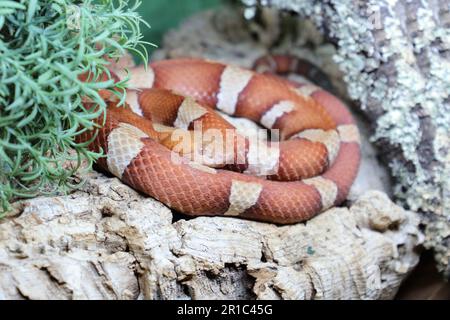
x=163, y=15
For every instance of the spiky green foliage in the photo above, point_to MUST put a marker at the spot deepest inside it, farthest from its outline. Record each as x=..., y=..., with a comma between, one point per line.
x=44, y=46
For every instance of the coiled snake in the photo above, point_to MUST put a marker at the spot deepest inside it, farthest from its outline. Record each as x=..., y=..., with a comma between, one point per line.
x=309, y=170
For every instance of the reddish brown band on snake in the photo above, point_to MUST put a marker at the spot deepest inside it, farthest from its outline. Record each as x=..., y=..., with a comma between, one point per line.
x=313, y=167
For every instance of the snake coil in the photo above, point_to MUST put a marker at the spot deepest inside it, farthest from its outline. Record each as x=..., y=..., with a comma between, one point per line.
x=311, y=169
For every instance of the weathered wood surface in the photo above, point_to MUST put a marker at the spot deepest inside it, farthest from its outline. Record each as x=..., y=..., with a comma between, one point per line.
x=108, y=242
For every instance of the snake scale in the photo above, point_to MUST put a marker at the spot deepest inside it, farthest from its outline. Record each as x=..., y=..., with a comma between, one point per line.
x=309, y=170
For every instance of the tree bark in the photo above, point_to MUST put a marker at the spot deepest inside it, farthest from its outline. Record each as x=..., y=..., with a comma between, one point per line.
x=395, y=57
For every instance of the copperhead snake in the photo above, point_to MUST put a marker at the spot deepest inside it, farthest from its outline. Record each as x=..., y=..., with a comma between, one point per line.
x=311, y=169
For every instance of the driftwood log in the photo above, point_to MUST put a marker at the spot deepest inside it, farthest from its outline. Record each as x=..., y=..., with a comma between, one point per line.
x=106, y=241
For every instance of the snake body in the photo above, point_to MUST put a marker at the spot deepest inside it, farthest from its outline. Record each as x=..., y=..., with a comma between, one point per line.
x=310, y=170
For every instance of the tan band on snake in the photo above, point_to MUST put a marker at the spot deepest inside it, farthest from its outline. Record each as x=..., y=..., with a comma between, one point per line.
x=309, y=170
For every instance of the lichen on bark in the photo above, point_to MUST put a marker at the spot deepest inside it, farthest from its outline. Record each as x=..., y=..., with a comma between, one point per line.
x=395, y=59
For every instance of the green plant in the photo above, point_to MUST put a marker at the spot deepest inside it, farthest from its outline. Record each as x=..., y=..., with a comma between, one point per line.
x=45, y=46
